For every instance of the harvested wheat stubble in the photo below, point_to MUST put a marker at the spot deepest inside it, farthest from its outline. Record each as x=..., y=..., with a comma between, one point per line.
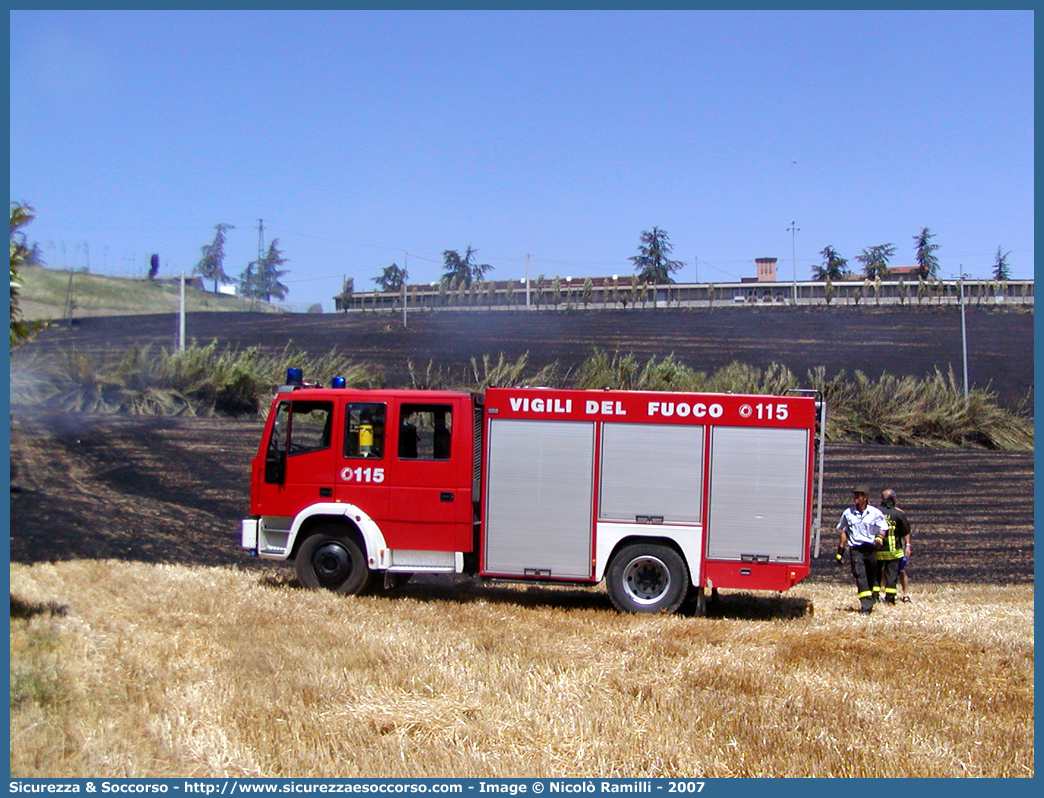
x=158, y=670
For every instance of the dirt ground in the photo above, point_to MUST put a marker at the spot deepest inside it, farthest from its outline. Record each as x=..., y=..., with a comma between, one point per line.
x=903, y=341
x=172, y=490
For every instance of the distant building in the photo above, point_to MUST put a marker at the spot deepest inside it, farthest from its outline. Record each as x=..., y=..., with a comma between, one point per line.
x=895, y=272
x=766, y=269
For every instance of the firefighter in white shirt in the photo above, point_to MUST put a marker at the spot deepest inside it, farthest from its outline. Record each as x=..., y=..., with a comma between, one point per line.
x=862, y=529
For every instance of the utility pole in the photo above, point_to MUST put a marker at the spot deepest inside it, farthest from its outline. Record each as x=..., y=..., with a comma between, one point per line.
x=793, y=230
x=527, y=281
x=69, y=299
x=181, y=317
x=255, y=301
x=964, y=337
x=405, y=274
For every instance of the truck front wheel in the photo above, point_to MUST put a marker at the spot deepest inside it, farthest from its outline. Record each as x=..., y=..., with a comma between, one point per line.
x=647, y=577
x=333, y=562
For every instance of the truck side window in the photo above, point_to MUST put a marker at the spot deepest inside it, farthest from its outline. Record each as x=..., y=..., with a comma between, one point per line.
x=364, y=430
x=310, y=426
x=424, y=431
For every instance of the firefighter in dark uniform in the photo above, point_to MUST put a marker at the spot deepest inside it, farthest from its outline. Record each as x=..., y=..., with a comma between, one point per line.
x=894, y=548
x=862, y=529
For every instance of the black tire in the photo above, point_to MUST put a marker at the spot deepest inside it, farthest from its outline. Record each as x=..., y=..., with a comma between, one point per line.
x=647, y=577
x=332, y=561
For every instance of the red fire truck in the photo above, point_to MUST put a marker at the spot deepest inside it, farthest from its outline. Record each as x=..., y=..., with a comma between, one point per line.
x=663, y=495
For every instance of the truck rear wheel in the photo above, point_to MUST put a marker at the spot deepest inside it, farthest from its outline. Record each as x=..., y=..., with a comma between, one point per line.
x=333, y=562
x=647, y=577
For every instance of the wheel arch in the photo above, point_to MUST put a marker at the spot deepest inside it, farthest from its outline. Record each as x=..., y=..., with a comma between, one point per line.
x=656, y=540
x=355, y=523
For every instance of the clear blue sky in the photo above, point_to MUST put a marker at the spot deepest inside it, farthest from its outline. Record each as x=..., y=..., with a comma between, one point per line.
x=363, y=137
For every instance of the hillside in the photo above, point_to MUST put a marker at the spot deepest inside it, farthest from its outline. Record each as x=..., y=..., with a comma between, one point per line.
x=46, y=294
x=142, y=633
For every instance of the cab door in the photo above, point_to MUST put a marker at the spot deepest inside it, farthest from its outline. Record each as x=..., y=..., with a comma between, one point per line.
x=430, y=469
x=298, y=468
x=362, y=471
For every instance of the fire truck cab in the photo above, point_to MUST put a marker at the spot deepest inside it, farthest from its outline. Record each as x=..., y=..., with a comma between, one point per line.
x=663, y=495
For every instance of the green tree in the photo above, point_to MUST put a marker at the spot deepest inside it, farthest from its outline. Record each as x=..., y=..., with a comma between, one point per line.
x=392, y=278
x=260, y=280
x=652, y=263
x=21, y=255
x=463, y=270
x=1001, y=269
x=636, y=289
x=834, y=267
x=875, y=260
x=344, y=299
x=211, y=264
x=538, y=290
x=927, y=263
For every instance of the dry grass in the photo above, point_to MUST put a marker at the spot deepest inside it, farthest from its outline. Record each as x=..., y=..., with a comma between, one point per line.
x=125, y=669
x=203, y=380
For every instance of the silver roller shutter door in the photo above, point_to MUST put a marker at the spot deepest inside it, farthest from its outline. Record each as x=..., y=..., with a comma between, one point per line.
x=758, y=493
x=651, y=470
x=539, y=496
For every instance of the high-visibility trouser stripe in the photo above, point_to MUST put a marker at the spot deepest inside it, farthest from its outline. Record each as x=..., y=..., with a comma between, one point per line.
x=865, y=593
x=878, y=588
x=891, y=590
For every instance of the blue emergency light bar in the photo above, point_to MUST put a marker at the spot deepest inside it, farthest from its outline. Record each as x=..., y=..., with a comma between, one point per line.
x=294, y=376
x=337, y=382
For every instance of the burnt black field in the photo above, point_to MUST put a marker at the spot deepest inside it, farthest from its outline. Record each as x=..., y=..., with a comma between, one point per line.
x=160, y=489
